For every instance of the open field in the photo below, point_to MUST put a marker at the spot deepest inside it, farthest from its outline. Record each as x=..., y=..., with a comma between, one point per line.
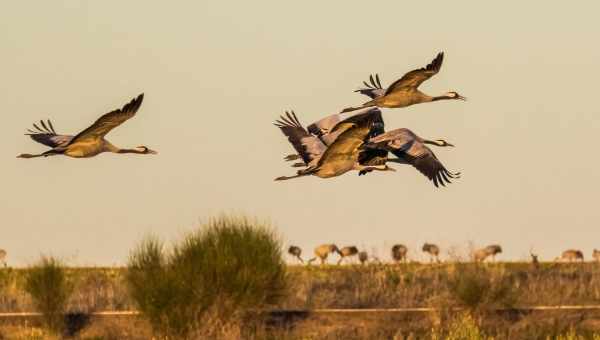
x=490, y=292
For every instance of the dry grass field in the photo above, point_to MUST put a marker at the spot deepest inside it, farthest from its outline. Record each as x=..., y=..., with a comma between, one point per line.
x=480, y=299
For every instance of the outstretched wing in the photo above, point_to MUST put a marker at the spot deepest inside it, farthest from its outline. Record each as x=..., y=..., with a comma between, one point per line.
x=308, y=146
x=346, y=146
x=109, y=121
x=324, y=128
x=424, y=160
x=47, y=135
x=372, y=89
x=405, y=145
x=416, y=77
x=373, y=156
x=398, y=139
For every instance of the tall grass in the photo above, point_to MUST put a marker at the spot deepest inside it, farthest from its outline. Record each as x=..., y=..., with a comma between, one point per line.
x=463, y=327
x=50, y=289
x=231, y=266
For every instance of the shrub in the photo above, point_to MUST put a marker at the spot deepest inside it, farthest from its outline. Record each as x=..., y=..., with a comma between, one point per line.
x=475, y=286
x=50, y=289
x=231, y=266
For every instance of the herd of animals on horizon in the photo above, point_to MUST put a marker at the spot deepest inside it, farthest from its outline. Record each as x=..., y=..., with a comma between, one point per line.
x=399, y=254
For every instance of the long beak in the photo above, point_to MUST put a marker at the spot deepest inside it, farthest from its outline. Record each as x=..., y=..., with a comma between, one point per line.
x=152, y=152
x=462, y=98
x=448, y=144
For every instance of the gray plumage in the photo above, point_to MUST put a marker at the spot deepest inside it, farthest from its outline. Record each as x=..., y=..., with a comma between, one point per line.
x=373, y=89
x=296, y=252
x=89, y=142
x=47, y=135
x=324, y=129
x=347, y=252
x=336, y=159
x=363, y=257
x=411, y=149
x=309, y=147
x=433, y=250
x=404, y=91
x=399, y=252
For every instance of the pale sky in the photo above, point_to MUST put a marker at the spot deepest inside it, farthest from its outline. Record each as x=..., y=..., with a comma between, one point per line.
x=216, y=75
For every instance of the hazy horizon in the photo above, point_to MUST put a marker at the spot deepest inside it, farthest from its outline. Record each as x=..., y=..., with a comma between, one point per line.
x=216, y=76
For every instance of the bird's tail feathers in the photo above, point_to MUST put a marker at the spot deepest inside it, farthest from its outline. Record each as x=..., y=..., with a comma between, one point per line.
x=372, y=89
x=372, y=93
x=291, y=157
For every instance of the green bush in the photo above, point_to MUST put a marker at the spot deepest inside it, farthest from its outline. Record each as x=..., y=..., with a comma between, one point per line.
x=231, y=266
x=476, y=286
x=50, y=289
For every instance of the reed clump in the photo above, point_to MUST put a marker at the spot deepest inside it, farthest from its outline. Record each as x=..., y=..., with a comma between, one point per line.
x=214, y=279
x=50, y=289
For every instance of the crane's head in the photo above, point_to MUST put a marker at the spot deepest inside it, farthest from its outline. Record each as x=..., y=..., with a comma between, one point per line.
x=145, y=150
x=442, y=142
x=454, y=95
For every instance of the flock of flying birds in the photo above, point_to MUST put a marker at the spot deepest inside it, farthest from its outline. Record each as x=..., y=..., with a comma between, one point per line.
x=355, y=138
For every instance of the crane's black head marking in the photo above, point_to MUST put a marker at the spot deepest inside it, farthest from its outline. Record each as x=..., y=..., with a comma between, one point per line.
x=455, y=95
x=442, y=142
x=145, y=150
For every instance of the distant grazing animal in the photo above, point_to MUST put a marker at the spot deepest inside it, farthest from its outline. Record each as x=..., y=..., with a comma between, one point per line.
x=347, y=252
x=323, y=251
x=340, y=157
x=363, y=257
x=404, y=91
x=596, y=255
x=534, y=260
x=481, y=254
x=571, y=255
x=89, y=142
x=433, y=250
x=295, y=252
x=399, y=253
x=3, y=257
x=411, y=149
